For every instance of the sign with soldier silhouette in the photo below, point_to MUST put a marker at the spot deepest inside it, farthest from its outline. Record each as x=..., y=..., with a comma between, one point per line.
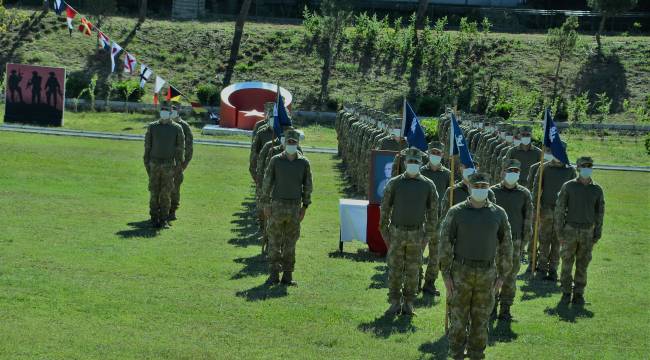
x=35, y=95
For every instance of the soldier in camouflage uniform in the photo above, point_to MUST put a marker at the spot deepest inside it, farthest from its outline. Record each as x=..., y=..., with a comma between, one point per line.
x=527, y=153
x=461, y=190
x=501, y=156
x=409, y=213
x=475, y=251
x=268, y=116
x=287, y=188
x=517, y=201
x=179, y=171
x=579, y=214
x=164, y=150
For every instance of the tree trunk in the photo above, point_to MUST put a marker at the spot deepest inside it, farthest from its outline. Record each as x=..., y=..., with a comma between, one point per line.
x=236, y=41
x=421, y=14
x=601, y=27
x=325, y=74
x=46, y=6
x=143, y=10
x=557, y=79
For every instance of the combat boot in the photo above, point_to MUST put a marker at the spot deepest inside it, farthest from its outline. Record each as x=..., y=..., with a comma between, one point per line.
x=578, y=299
x=408, y=308
x=172, y=215
x=504, y=312
x=394, y=308
x=154, y=222
x=287, y=279
x=566, y=299
x=274, y=278
x=430, y=289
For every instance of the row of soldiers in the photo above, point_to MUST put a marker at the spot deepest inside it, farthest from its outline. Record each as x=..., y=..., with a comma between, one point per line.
x=476, y=242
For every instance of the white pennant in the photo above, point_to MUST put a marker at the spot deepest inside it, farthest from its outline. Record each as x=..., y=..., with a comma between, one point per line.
x=145, y=74
x=160, y=82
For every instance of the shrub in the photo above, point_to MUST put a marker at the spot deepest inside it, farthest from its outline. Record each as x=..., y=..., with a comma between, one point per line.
x=75, y=84
x=127, y=90
x=503, y=109
x=430, y=128
x=208, y=94
x=647, y=144
x=578, y=107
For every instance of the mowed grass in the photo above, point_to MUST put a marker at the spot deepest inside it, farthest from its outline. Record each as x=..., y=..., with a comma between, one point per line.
x=81, y=276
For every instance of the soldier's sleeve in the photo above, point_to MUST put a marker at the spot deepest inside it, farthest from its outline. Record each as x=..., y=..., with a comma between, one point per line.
x=307, y=185
x=261, y=163
x=269, y=180
x=532, y=174
x=253, y=156
x=559, y=214
x=491, y=196
x=504, y=248
x=189, y=145
x=528, y=218
x=397, y=165
x=535, y=183
x=180, y=146
x=387, y=205
x=432, y=212
x=147, y=147
x=446, y=241
x=600, y=215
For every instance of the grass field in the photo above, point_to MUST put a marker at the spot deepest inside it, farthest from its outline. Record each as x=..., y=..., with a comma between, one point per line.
x=81, y=275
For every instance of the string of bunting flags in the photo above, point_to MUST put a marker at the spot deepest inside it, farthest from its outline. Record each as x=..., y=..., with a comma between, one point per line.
x=129, y=62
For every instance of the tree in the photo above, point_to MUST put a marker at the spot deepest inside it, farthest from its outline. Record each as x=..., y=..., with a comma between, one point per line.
x=143, y=10
x=3, y=18
x=99, y=10
x=562, y=41
x=609, y=8
x=336, y=15
x=421, y=14
x=236, y=41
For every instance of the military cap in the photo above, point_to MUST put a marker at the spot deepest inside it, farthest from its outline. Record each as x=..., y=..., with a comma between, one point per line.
x=292, y=134
x=583, y=160
x=477, y=178
x=526, y=128
x=511, y=163
x=435, y=145
x=413, y=154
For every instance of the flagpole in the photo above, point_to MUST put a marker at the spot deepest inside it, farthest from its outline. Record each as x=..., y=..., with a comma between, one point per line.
x=538, y=199
x=451, y=202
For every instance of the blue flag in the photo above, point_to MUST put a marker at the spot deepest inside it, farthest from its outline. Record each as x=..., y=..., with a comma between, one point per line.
x=552, y=138
x=412, y=129
x=58, y=6
x=280, y=116
x=458, y=145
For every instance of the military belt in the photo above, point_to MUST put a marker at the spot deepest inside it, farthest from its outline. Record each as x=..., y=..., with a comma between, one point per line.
x=287, y=201
x=483, y=264
x=408, y=227
x=580, y=225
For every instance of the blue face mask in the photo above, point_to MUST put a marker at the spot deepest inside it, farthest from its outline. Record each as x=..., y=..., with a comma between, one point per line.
x=586, y=172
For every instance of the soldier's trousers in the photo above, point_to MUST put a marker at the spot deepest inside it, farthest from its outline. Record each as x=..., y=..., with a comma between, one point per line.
x=549, y=244
x=161, y=185
x=578, y=243
x=404, y=260
x=509, y=288
x=176, y=193
x=433, y=266
x=469, y=309
x=283, y=232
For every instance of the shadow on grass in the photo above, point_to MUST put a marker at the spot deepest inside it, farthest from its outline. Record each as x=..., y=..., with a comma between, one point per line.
x=534, y=288
x=263, y=292
x=379, y=279
x=501, y=331
x=253, y=266
x=437, y=349
x=362, y=255
x=387, y=325
x=569, y=313
x=426, y=301
x=245, y=224
x=142, y=229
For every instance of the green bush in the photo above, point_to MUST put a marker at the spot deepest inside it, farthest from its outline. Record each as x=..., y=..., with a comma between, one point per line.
x=647, y=144
x=75, y=84
x=503, y=109
x=127, y=90
x=431, y=128
x=208, y=94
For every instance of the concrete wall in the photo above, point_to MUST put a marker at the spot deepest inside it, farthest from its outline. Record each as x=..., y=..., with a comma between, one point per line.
x=188, y=9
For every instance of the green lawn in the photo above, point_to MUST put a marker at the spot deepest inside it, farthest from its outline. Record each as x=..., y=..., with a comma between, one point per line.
x=81, y=276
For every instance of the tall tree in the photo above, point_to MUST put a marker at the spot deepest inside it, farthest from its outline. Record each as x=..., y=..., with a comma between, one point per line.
x=562, y=41
x=236, y=41
x=421, y=14
x=336, y=15
x=143, y=10
x=609, y=8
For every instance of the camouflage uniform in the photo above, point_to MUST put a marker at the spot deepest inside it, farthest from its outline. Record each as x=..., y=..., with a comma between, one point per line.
x=180, y=170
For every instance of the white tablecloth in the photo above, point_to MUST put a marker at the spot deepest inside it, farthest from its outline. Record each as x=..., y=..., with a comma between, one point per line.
x=354, y=219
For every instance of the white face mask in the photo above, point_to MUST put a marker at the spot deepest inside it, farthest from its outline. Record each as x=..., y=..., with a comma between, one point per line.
x=586, y=172
x=468, y=172
x=502, y=136
x=412, y=169
x=480, y=125
x=548, y=157
x=282, y=140
x=511, y=178
x=509, y=138
x=525, y=140
x=479, y=195
x=174, y=114
x=435, y=159
x=516, y=142
x=292, y=149
x=164, y=114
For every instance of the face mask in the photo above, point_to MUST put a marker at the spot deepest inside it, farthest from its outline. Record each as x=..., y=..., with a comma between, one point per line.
x=164, y=114
x=480, y=125
x=174, y=114
x=467, y=172
x=502, y=136
x=292, y=149
x=516, y=142
x=435, y=160
x=586, y=172
x=548, y=157
x=511, y=178
x=412, y=169
x=282, y=139
x=509, y=138
x=525, y=140
x=480, y=195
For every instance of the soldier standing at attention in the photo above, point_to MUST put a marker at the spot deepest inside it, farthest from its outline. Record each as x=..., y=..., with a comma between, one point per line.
x=440, y=176
x=475, y=252
x=164, y=150
x=409, y=214
x=518, y=204
x=527, y=153
x=288, y=187
x=180, y=168
x=579, y=214
x=461, y=190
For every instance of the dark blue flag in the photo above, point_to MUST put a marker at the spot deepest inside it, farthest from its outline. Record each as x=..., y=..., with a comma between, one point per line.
x=59, y=6
x=552, y=138
x=458, y=145
x=412, y=129
x=280, y=116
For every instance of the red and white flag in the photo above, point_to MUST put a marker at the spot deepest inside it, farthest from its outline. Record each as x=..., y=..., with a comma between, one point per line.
x=115, y=51
x=86, y=27
x=129, y=63
x=70, y=14
x=160, y=82
x=104, y=41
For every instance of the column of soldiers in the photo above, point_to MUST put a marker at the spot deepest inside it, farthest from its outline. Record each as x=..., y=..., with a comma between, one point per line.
x=479, y=240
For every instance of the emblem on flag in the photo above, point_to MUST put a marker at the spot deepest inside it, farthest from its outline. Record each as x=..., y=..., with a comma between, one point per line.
x=413, y=131
x=145, y=74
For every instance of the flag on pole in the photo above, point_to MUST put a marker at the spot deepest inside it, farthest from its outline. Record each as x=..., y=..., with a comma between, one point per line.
x=86, y=27
x=104, y=41
x=458, y=145
x=412, y=129
x=280, y=116
x=70, y=14
x=198, y=108
x=129, y=63
x=160, y=82
x=173, y=95
x=115, y=51
x=58, y=7
x=145, y=74
x=552, y=138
